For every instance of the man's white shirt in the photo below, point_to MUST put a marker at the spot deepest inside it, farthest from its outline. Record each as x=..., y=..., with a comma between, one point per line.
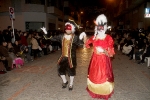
x=68, y=37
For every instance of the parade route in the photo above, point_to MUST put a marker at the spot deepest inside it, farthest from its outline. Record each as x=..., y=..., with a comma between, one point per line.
x=39, y=80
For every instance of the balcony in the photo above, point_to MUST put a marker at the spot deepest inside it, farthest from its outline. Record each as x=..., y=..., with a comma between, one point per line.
x=55, y=11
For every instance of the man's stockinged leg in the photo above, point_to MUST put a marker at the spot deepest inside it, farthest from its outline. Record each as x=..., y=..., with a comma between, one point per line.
x=65, y=82
x=71, y=83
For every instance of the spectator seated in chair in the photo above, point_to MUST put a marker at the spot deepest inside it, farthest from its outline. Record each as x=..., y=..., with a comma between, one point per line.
x=127, y=46
x=146, y=53
x=140, y=50
x=6, y=59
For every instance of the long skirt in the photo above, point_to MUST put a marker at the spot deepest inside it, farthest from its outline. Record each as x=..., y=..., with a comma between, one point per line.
x=100, y=82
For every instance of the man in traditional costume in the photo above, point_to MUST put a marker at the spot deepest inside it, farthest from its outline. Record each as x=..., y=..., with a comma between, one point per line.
x=67, y=61
x=100, y=81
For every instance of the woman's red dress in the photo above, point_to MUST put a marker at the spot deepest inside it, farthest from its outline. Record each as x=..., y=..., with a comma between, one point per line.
x=100, y=82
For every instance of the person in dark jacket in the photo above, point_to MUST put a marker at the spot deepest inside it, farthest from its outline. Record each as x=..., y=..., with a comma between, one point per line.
x=8, y=34
x=4, y=54
x=146, y=53
x=67, y=61
x=1, y=37
x=140, y=50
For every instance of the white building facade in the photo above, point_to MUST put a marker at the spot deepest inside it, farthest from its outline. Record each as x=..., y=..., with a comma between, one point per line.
x=32, y=15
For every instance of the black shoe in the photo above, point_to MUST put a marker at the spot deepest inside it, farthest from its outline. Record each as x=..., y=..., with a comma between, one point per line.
x=141, y=62
x=70, y=88
x=64, y=85
x=130, y=58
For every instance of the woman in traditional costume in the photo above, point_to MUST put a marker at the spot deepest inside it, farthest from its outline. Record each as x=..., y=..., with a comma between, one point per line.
x=100, y=81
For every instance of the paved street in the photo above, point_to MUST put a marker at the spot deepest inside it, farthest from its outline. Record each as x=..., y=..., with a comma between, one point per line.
x=38, y=80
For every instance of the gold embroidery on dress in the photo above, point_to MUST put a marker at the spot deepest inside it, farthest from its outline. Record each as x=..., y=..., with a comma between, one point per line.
x=66, y=44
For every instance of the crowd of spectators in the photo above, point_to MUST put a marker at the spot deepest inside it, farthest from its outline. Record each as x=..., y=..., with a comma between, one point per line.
x=133, y=43
x=28, y=46
x=31, y=45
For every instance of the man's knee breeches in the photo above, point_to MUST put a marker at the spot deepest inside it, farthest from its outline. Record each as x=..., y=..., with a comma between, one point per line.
x=64, y=68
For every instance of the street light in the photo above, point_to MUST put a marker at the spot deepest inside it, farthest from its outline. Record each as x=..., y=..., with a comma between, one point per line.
x=110, y=0
x=81, y=18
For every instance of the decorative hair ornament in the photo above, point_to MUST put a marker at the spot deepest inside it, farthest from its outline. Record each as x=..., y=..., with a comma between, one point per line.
x=100, y=22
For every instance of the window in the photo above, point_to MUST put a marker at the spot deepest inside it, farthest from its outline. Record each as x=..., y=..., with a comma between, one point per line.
x=35, y=26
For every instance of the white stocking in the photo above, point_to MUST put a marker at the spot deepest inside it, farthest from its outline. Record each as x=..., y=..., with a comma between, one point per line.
x=63, y=78
x=50, y=47
x=71, y=80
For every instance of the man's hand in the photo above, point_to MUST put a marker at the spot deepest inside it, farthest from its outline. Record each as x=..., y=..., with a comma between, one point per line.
x=44, y=30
